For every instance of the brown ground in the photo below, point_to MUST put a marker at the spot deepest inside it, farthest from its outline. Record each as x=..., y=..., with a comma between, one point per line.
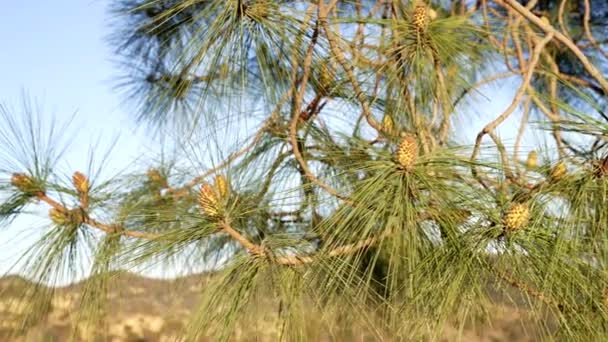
x=149, y=310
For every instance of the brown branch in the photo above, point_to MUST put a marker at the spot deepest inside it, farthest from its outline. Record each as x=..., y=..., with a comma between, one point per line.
x=520, y=133
x=338, y=251
x=490, y=127
x=293, y=127
x=248, y=245
x=297, y=260
x=550, y=30
x=504, y=158
x=348, y=69
x=560, y=18
x=587, y=30
x=238, y=237
x=94, y=223
x=525, y=288
x=579, y=81
x=555, y=113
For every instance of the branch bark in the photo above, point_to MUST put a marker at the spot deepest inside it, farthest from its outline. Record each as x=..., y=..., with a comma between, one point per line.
x=550, y=30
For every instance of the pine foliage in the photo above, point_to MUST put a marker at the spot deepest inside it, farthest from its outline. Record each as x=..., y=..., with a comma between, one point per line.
x=331, y=179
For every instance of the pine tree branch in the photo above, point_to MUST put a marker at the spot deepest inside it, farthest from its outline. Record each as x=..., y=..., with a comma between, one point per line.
x=232, y=157
x=238, y=237
x=338, y=251
x=293, y=133
x=509, y=279
x=587, y=29
x=520, y=133
x=560, y=18
x=94, y=223
x=348, y=68
x=342, y=250
x=490, y=127
x=551, y=31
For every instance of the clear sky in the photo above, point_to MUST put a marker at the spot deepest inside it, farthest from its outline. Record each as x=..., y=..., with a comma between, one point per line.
x=56, y=52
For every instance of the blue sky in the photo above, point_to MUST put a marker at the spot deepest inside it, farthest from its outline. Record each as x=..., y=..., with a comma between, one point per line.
x=56, y=52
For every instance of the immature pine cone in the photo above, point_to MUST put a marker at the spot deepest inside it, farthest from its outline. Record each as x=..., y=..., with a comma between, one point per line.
x=221, y=184
x=58, y=217
x=559, y=171
x=326, y=79
x=516, y=216
x=420, y=18
x=407, y=152
x=208, y=201
x=81, y=182
x=388, y=124
x=156, y=177
x=22, y=182
x=532, y=161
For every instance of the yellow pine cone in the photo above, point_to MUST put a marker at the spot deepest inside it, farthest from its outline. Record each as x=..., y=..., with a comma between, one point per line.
x=516, y=216
x=532, y=161
x=81, y=182
x=208, y=201
x=22, y=182
x=221, y=184
x=70, y=217
x=420, y=17
x=327, y=78
x=559, y=171
x=58, y=217
x=155, y=176
x=407, y=152
x=545, y=20
x=388, y=125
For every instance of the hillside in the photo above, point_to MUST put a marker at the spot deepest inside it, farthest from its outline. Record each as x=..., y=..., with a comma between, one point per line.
x=144, y=309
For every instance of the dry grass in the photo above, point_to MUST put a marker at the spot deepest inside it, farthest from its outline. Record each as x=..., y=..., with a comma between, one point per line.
x=144, y=309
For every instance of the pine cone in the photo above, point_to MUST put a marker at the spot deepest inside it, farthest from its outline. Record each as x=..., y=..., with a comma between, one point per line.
x=72, y=217
x=388, y=125
x=221, y=184
x=559, y=171
x=208, y=201
x=58, y=217
x=407, y=152
x=420, y=17
x=81, y=182
x=154, y=176
x=532, y=161
x=545, y=20
x=23, y=182
x=516, y=216
x=326, y=79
